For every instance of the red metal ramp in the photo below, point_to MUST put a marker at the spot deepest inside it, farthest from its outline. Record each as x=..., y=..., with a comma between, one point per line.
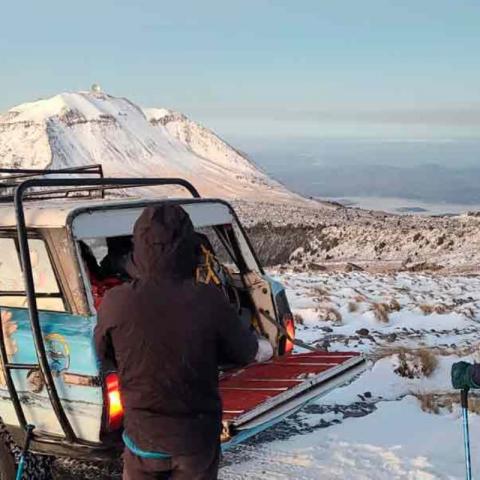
x=260, y=391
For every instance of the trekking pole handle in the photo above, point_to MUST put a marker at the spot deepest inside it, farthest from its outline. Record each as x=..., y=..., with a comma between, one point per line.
x=464, y=398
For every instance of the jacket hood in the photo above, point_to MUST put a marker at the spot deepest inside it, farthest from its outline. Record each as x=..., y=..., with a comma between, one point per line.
x=164, y=243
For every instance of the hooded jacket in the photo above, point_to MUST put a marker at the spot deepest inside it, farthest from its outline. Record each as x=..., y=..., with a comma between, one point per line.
x=167, y=335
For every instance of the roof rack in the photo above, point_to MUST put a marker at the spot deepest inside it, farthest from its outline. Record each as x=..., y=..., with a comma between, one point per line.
x=10, y=178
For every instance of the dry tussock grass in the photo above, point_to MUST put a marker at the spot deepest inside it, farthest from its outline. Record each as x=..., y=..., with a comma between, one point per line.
x=428, y=361
x=330, y=314
x=353, y=306
x=321, y=292
x=381, y=311
x=437, y=402
x=394, y=305
x=441, y=309
x=298, y=319
x=426, y=308
x=416, y=363
x=442, y=351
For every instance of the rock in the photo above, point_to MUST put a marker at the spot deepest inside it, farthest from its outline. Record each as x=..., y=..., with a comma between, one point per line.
x=316, y=267
x=323, y=345
x=391, y=337
x=327, y=329
x=422, y=266
x=363, y=332
x=352, y=267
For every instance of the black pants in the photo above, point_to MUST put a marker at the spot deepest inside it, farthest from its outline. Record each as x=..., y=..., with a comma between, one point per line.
x=202, y=466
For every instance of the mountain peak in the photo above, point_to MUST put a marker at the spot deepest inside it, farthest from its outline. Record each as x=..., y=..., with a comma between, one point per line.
x=87, y=127
x=86, y=104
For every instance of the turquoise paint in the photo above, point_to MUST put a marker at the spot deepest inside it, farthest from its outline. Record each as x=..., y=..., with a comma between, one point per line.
x=275, y=285
x=68, y=341
x=77, y=332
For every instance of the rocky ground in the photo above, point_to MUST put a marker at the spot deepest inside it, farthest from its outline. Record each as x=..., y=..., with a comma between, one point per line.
x=327, y=236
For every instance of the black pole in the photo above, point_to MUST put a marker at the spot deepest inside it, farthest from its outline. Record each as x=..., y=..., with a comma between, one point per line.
x=9, y=380
x=34, y=319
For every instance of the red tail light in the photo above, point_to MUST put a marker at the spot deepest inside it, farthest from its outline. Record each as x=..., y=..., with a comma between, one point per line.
x=113, y=402
x=289, y=325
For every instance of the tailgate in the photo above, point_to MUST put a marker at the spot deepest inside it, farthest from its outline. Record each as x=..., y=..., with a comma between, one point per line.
x=261, y=393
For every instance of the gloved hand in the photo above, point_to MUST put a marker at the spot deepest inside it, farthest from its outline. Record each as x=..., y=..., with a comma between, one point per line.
x=265, y=350
x=463, y=375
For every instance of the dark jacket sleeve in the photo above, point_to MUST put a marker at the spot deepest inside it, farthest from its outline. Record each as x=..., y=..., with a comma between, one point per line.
x=237, y=343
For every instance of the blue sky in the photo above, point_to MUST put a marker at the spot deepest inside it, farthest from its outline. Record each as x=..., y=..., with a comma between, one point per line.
x=258, y=67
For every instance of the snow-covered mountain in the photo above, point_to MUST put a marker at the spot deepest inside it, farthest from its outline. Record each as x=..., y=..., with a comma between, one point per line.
x=72, y=129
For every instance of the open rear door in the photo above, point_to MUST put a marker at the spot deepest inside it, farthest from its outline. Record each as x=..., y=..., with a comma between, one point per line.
x=261, y=394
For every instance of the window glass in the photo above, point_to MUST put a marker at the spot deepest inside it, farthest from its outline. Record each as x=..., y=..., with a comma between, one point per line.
x=43, y=274
x=248, y=256
x=11, y=279
x=222, y=249
x=12, y=288
x=96, y=247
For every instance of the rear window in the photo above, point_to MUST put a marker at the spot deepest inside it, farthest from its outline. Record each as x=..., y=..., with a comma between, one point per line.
x=221, y=247
x=12, y=288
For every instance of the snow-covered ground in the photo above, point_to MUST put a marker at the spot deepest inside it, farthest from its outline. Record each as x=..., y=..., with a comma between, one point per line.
x=398, y=420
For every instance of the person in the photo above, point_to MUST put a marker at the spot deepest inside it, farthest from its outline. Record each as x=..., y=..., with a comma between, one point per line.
x=465, y=375
x=99, y=282
x=166, y=335
x=115, y=263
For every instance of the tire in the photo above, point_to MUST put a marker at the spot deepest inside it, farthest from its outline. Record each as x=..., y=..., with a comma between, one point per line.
x=7, y=463
x=37, y=467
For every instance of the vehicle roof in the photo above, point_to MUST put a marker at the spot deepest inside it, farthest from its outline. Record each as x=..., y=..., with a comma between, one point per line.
x=55, y=213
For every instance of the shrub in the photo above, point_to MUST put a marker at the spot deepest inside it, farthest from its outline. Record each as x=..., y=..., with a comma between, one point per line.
x=298, y=319
x=353, y=307
x=330, y=314
x=427, y=309
x=428, y=360
x=416, y=363
x=441, y=309
x=381, y=311
x=394, y=305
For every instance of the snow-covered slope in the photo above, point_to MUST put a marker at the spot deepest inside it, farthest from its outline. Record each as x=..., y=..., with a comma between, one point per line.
x=400, y=420
x=199, y=139
x=82, y=128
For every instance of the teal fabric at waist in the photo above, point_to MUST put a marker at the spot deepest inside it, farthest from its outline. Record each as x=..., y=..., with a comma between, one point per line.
x=130, y=444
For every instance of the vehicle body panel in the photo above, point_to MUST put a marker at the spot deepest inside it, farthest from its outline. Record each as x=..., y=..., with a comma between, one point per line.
x=71, y=356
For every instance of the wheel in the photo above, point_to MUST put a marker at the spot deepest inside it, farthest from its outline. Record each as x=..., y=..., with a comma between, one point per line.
x=37, y=467
x=7, y=463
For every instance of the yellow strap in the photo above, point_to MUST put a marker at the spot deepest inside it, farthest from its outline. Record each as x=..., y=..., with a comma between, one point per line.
x=210, y=260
